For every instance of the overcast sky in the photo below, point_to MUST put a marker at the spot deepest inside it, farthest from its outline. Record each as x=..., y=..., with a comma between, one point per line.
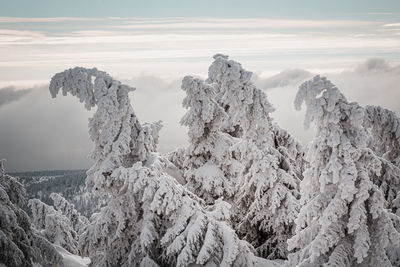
x=153, y=44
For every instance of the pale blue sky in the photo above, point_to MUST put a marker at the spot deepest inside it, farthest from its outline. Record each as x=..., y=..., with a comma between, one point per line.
x=294, y=9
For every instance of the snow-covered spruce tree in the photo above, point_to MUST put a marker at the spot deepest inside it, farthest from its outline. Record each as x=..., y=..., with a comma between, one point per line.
x=248, y=110
x=384, y=126
x=54, y=226
x=112, y=126
x=150, y=220
x=177, y=157
x=267, y=198
x=76, y=220
x=291, y=150
x=209, y=168
x=385, y=131
x=61, y=224
x=234, y=92
x=20, y=245
x=175, y=164
x=342, y=221
x=266, y=202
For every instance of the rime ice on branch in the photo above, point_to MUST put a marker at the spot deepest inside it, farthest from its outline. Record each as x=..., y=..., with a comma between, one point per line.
x=342, y=221
x=150, y=219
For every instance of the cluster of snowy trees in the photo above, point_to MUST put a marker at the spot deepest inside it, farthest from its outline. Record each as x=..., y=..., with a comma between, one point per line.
x=243, y=192
x=343, y=220
x=20, y=243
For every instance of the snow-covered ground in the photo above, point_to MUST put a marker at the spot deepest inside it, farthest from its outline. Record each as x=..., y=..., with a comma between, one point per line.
x=71, y=260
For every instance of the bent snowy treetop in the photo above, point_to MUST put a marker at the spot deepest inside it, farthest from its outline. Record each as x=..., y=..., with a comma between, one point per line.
x=118, y=137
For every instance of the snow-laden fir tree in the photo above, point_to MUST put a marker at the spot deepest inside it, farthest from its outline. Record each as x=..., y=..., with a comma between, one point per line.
x=54, y=226
x=266, y=202
x=150, y=220
x=234, y=92
x=61, y=224
x=76, y=220
x=20, y=245
x=267, y=198
x=291, y=150
x=385, y=131
x=176, y=159
x=343, y=220
x=248, y=108
x=384, y=126
x=112, y=126
x=210, y=170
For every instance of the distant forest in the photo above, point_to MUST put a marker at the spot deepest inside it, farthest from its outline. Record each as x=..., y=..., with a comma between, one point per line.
x=68, y=183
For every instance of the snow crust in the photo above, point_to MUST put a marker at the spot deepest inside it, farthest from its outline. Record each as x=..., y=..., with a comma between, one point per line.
x=72, y=260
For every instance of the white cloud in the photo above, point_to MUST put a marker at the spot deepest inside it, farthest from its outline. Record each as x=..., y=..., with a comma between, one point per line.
x=40, y=133
x=34, y=51
x=56, y=129
x=392, y=25
x=10, y=94
x=373, y=82
x=7, y=32
x=282, y=79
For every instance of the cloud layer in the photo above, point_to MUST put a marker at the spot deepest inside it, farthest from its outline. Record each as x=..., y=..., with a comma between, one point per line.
x=37, y=132
x=36, y=48
x=10, y=94
x=373, y=82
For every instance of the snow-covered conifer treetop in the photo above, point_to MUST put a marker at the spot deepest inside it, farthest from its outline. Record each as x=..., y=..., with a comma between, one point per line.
x=204, y=115
x=79, y=82
x=208, y=164
x=246, y=105
x=235, y=153
x=118, y=137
